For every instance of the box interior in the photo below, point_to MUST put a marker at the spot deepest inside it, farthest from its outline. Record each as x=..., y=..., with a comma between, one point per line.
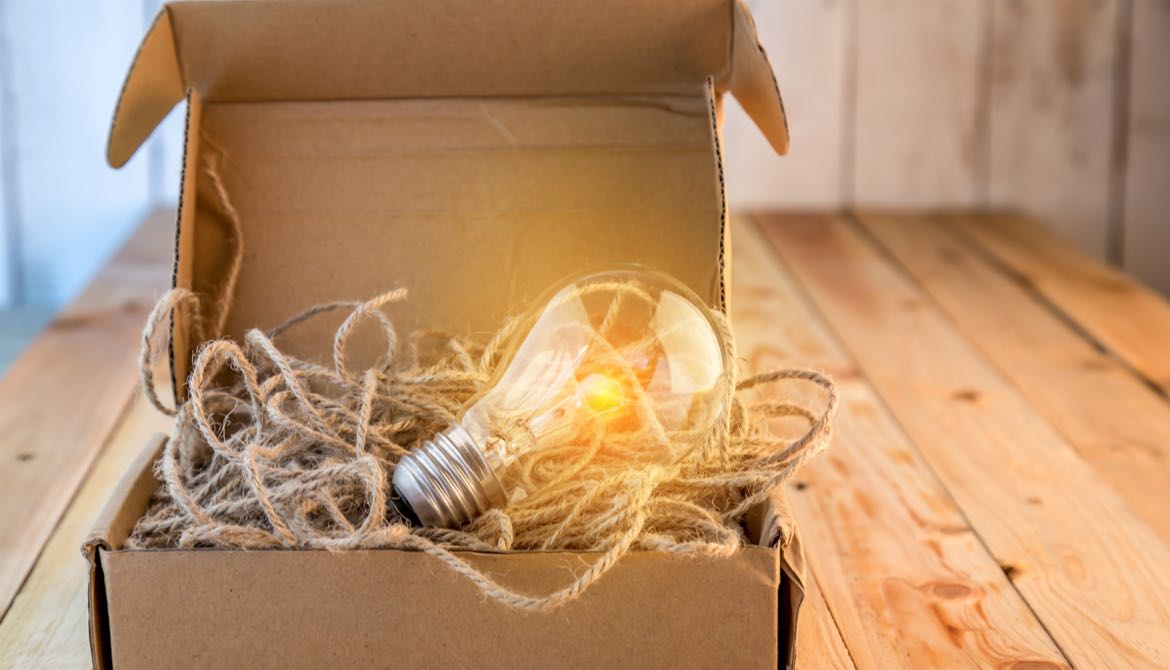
x=475, y=205
x=473, y=153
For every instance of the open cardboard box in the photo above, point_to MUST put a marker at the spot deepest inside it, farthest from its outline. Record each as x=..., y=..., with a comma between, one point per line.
x=474, y=152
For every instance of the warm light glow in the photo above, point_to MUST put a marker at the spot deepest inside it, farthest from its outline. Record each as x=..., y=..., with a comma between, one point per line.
x=632, y=348
x=616, y=369
x=602, y=393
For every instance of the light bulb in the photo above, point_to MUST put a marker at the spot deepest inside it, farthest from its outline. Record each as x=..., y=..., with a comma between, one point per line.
x=621, y=367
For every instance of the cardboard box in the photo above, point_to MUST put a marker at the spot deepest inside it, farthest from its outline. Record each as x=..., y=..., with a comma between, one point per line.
x=474, y=152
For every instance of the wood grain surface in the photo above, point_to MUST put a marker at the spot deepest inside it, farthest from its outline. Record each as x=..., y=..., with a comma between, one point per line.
x=1095, y=573
x=1115, y=310
x=906, y=577
x=994, y=496
x=1116, y=421
x=47, y=625
x=62, y=398
x=818, y=642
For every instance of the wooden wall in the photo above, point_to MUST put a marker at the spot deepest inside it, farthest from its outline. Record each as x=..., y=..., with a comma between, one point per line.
x=1059, y=107
x=1146, y=187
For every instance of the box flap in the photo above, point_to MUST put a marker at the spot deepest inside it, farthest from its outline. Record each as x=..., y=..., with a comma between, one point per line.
x=771, y=524
x=152, y=88
x=113, y=526
x=243, y=51
x=127, y=502
x=753, y=83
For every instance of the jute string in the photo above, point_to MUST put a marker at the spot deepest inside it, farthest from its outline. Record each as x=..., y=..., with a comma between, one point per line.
x=273, y=451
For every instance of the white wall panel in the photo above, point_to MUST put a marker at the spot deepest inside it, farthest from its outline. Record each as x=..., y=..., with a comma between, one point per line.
x=1147, y=174
x=1053, y=93
x=807, y=44
x=68, y=58
x=919, y=91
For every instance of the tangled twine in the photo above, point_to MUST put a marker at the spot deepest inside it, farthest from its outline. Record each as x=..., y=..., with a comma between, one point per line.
x=273, y=451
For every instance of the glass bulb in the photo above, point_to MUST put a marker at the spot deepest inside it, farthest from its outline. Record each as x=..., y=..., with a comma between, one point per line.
x=614, y=368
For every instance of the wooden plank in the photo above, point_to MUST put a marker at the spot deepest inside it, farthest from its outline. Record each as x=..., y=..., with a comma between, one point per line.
x=818, y=642
x=907, y=580
x=1147, y=200
x=47, y=625
x=1095, y=574
x=1120, y=313
x=919, y=102
x=807, y=45
x=18, y=327
x=1115, y=421
x=61, y=398
x=1052, y=103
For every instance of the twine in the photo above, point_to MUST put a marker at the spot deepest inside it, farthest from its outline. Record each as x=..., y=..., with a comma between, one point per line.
x=271, y=451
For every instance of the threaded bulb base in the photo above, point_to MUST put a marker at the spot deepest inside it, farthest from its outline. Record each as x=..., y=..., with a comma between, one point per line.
x=448, y=482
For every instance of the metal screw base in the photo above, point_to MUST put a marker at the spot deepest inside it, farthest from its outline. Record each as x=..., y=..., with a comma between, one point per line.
x=448, y=482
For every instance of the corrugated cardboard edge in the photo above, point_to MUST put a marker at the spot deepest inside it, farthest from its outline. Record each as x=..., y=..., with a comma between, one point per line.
x=752, y=80
x=152, y=87
x=771, y=525
x=180, y=330
x=713, y=102
x=112, y=528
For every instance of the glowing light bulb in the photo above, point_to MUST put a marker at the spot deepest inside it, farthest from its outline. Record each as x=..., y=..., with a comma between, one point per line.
x=620, y=366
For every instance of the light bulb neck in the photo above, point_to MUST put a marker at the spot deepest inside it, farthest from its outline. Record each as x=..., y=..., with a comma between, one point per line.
x=447, y=481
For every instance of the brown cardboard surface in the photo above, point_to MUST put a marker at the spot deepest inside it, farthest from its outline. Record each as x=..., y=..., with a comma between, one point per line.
x=383, y=608
x=753, y=83
x=240, y=50
x=219, y=608
x=112, y=527
x=475, y=205
x=185, y=316
x=153, y=87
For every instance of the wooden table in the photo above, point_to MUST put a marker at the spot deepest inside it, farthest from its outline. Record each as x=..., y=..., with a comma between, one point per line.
x=998, y=490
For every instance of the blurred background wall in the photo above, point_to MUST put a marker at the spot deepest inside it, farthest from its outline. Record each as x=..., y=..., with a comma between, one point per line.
x=1057, y=107
x=62, y=211
x=1060, y=108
